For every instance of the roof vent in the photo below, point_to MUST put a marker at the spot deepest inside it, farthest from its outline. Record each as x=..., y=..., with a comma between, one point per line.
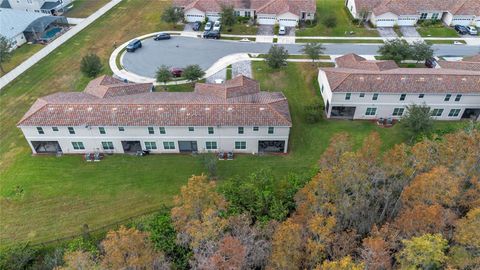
x=70, y=109
x=421, y=79
x=139, y=108
x=114, y=109
x=51, y=108
x=440, y=79
x=361, y=78
x=160, y=109
x=183, y=109
x=207, y=109
x=262, y=109
x=230, y=109
x=89, y=109
x=379, y=78
x=403, y=78
x=464, y=79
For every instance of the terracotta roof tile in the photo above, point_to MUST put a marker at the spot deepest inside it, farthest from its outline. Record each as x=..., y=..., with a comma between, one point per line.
x=411, y=7
x=261, y=6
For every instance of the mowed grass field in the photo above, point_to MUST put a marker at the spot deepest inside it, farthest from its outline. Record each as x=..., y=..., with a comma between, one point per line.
x=335, y=8
x=19, y=55
x=84, y=8
x=44, y=197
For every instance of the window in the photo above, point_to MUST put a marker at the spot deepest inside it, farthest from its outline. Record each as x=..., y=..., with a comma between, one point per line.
x=402, y=96
x=255, y=128
x=454, y=112
x=162, y=130
x=435, y=16
x=271, y=130
x=362, y=94
x=247, y=14
x=375, y=96
x=240, y=130
x=150, y=145
x=210, y=130
x=55, y=128
x=371, y=111
x=211, y=145
x=347, y=96
x=78, y=146
x=240, y=145
x=437, y=112
x=398, y=111
x=151, y=130
x=107, y=145
x=423, y=16
x=40, y=130
x=101, y=130
x=447, y=97
x=169, y=145
x=237, y=13
x=321, y=88
x=191, y=129
x=121, y=129
x=421, y=95
x=71, y=130
x=458, y=97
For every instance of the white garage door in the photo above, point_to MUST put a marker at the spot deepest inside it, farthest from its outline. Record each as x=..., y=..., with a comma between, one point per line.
x=407, y=21
x=194, y=18
x=213, y=17
x=288, y=22
x=464, y=22
x=478, y=23
x=385, y=22
x=266, y=20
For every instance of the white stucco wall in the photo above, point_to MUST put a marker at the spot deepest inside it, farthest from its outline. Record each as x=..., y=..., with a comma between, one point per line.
x=92, y=139
x=350, y=4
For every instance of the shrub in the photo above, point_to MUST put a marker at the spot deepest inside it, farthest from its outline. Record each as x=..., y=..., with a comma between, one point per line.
x=314, y=112
x=276, y=57
x=330, y=21
x=91, y=65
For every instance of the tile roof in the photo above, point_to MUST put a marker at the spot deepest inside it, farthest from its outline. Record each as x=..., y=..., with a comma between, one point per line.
x=106, y=86
x=468, y=63
x=411, y=7
x=261, y=6
x=357, y=62
x=241, y=103
x=403, y=80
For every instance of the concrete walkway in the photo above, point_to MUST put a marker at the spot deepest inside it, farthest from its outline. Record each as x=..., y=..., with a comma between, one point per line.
x=75, y=21
x=12, y=75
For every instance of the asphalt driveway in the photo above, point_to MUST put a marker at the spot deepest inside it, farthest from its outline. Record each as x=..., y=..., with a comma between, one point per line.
x=183, y=51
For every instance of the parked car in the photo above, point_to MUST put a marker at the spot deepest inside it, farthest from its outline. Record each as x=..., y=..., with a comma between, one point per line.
x=161, y=36
x=176, y=72
x=216, y=26
x=462, y=30
x=211, y=34
x=282, y=30
x=196, y=26
x=208, y=26
x=472, y=30
x=134, y=45
x=431, y=63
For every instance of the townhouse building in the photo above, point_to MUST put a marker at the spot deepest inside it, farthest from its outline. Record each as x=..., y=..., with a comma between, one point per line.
x=389, y=13
x=112, y=116
x=49, y=7
x=361, y=89
x=267, y=12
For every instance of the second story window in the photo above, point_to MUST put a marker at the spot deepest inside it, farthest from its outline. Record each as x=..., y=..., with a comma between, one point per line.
x=255, y=128
x=162, y=130
x=375, y=96
x=101, y=130
x=402, y=97
x=421, y=95
x=240, y=130
x=40, y=130
x=71, y=130
x=55, y=128
x=458, y=97
x=362, y=94
x=210, y=130
x=347, y=96
x=447, y=97
x=191, y=129
x=271, y=130
x=121, y=129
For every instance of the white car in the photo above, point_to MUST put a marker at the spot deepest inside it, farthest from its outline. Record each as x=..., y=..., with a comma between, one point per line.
x=216, y=26
x=282, y=30
x=472, y=30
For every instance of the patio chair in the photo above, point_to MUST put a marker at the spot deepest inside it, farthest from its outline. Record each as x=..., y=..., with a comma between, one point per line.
x=389, y=121
x=230, y=156
x=380, y=121
x=221, y=155
x=87, y=157
x=96, y=157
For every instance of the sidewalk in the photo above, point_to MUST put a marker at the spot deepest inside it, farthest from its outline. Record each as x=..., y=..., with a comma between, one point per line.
x=13, y=74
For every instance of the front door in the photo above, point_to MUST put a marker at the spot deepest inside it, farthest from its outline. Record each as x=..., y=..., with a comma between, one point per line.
x=187, y=146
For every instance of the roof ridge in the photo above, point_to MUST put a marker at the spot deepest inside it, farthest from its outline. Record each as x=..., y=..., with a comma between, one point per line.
x=23, y=119
x=277, y=112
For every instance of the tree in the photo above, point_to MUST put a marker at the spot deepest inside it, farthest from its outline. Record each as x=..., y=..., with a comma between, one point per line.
x=210, y=163
x=330, y=21
x=395, y=49
x=79, y=260
x=375, y=253
x=313, y=50
x=172, y=15
x=287, y=244
x=228, y=18
x=467, y=231
x=5, y=51
x=18, y=257
x=345, y=263
x=230, y=255
x=91, y=65
x=276, y=57
x=163, y=75
x=193, y=73
x=417, y=121
x=421, y=51
x=129, y=249
x=424, y=252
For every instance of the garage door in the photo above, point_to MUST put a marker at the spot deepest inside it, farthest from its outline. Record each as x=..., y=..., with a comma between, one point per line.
x=478, y=23
x=385, y=22
x=464, y=22
x=288, y=22
x=213, y=17
x=407, y=21
x=194, y=18
x=266, y=20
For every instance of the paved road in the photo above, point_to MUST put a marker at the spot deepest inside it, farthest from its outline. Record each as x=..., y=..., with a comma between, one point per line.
x=205, y=53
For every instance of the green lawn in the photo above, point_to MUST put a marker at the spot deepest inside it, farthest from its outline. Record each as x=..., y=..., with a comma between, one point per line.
x=344, y=25
x=300, y=40
x=444, y=41
x=45, y=197
x=84, y=8
x=436, y=31
x=19, y=55
x=240, y=29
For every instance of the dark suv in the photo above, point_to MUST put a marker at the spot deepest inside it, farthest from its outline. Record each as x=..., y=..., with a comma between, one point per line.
x=134, y=45
x=211, y=34
x=196, y=26
x=162, y=36
x=462, y=30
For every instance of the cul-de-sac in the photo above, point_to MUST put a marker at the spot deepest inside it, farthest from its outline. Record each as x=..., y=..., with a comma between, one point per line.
x=239, y=134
